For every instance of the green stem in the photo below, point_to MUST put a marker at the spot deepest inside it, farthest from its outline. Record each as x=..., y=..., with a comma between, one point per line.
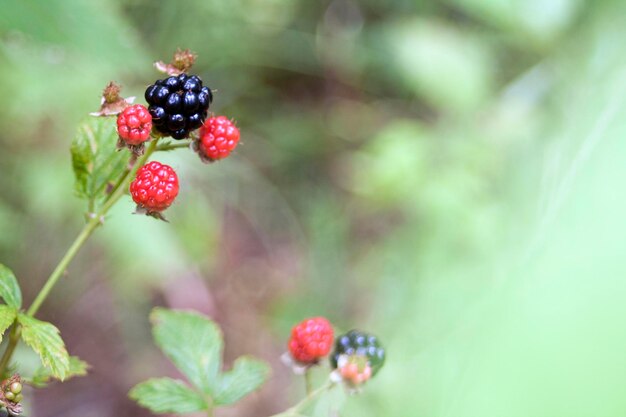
x=14, y=337
x=307, y=381
x=62, y=265
x=132, y=161
x=171, y=147
x=86, y=232
x=80, y=240
x=296, y=409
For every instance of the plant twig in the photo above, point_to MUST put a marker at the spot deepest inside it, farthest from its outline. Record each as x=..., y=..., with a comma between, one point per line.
x=296, y=409
x=307, y=381
x=173, y=146
x=80, y=240
x=14, y=337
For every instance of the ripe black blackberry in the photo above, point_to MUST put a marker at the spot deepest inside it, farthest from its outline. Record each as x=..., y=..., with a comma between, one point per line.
x=178, y=104
x=361, y=344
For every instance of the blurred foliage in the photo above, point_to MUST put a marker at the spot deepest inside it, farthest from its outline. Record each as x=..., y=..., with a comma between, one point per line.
x=445, y=174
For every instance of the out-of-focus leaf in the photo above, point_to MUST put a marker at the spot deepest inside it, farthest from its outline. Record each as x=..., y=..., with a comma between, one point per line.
x=540, y=20
x=450, y=69
x=44, y=339
x=391, y=169
x=9, y=288
x=43, y=375
x=246, y=375
x=166, y=395
x=193, y=342
x=95, y=159
x=7, y=317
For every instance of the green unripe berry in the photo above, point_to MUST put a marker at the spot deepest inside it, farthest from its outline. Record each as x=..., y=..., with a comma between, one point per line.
x=19, y=398
x=9, y=396
x=16, y=388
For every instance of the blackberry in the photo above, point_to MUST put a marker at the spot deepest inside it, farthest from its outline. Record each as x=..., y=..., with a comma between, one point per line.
x=178, y=104
x=360, y=344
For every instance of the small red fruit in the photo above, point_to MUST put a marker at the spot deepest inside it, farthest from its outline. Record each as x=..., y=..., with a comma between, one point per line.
x=311, y=340
x=134, y=124
x=155, y=187
x=218, y=138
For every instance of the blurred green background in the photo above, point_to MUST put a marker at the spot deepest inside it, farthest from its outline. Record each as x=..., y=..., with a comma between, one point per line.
x=445, y=174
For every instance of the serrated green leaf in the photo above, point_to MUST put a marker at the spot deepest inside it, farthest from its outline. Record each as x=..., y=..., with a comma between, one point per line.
x=43, y=375
x=7, y=317
x=192, y=342
x=246, y=375
x=95, y=159
x=9, y=288
x=44, y=339
x=166, y=395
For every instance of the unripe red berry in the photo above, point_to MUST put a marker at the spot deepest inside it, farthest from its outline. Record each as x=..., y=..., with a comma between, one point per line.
x=311, y=340
x=155, y=187
x=218, y=138
x=134, y=124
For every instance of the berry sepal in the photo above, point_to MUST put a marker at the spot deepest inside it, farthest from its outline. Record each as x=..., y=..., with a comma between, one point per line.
x=181, y=62
x=298, y=368
x=152, y=213
x=112, y=103
x=136, y=150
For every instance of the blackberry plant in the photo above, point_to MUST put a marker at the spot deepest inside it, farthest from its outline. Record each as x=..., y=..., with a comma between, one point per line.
x=111, y=158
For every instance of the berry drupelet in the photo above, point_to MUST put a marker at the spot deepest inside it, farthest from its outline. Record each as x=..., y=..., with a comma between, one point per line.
x=217, y=139
x=178, y=104
x=155, y=187
x=134, y=124
x=311, y=340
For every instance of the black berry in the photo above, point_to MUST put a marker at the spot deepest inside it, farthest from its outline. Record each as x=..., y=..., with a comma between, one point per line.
x=362, y=344
x=178, y=104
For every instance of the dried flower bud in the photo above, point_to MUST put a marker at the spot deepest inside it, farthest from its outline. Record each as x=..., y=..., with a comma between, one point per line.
x=112, y=102
x=181, y=62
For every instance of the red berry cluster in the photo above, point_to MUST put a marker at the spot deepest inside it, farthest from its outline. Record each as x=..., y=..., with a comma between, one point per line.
x=134, y=124
x=357, y=356
x=311, y=340
x=218, y=138
x=155, y=187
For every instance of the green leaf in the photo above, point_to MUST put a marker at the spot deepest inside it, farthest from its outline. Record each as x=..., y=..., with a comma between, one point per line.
x=9, y=288
x=166, y=395
x=44, y=338
x=95, y=158
x=43, y=375
x=247, y=375
x=7, y=317
x=192, y=342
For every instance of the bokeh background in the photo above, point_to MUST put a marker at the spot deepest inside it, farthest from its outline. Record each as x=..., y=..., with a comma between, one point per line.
x=448, y=175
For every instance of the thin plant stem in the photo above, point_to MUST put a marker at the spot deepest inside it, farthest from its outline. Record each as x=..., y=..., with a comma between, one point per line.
x=14, y=337
x=80, y=240
x=173, y=146
x=298, y=408
x=307, y=381
x=132, y=161
x=62, y=265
